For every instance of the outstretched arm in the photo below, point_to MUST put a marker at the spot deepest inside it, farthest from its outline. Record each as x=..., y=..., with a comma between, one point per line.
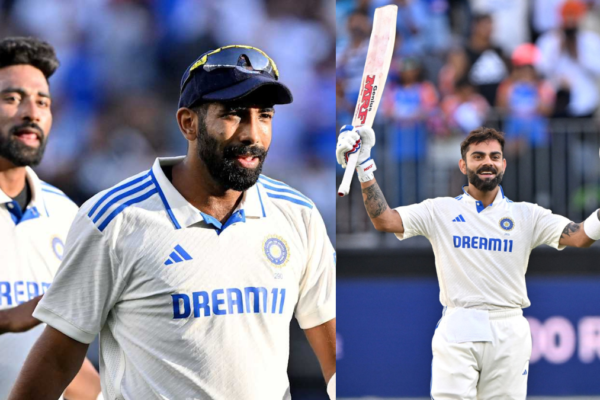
x=383, y=217
x=578, y=235
x=51, y=365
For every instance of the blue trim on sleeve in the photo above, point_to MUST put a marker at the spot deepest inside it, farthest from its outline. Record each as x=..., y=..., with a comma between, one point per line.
x=119, y=197
x=290, y=199
x=165, y=202
x=56, y=193
x=365, y=161
x=284, y=190
x=274, y=182
x=112, y=191
x=118, y=210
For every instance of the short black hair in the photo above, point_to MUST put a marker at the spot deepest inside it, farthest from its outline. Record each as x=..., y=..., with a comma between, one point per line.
x=479, y=135
x=28, y=51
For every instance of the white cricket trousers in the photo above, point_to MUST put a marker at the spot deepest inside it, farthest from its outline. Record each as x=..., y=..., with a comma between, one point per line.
x=483, y=370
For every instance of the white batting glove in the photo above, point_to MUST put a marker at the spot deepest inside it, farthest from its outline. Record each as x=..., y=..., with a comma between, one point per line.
x=359, y=140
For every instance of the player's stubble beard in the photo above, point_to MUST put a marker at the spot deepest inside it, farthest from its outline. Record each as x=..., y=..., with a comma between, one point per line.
x=18, y=152
x=484, y=185
x=221, y=162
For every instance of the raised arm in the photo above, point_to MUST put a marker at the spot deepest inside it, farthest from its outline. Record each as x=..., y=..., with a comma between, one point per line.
x=361, y=140
x=583, y=234
x=51, y=365
x=384, y=218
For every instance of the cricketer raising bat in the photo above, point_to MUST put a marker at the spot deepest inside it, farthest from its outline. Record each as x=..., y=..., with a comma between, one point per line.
x=379, y=57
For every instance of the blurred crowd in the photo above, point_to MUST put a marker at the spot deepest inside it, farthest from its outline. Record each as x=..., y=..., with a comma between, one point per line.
x=115, y=94
x=460, y=64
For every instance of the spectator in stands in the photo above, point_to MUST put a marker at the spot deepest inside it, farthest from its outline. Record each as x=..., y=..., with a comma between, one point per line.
x=409, y=105
x=453, y=71
x=465, y=110
x=351, y=59
x=569, y=58
x=526, y=101
x=487, y=64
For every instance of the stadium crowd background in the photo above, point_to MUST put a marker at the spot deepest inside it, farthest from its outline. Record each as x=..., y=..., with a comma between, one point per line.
x=527, y=67
x=115, y=94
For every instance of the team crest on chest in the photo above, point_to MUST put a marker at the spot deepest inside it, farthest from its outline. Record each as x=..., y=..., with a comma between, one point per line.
x=507, y=224
x=58, y=247
x=276, y=250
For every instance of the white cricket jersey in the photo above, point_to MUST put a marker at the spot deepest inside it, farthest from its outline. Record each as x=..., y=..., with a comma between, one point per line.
x=31, y=247
x=188, y=308
x=481, y=254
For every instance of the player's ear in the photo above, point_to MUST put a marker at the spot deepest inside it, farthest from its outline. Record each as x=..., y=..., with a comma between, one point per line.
x=187, y=120
x=504, y=163
x=462, y=165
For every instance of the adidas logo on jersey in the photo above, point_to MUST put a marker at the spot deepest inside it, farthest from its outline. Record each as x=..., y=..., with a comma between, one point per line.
x=178, y=255
x=460, y=218
x=524, y=372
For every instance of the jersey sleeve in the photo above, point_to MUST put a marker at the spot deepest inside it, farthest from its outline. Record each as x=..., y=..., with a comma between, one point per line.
x=547, y=227
x=86, y=286
x=416, y=219
x=316, y=302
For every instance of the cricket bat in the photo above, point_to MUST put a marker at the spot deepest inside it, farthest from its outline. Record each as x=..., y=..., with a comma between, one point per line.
x=379, y=57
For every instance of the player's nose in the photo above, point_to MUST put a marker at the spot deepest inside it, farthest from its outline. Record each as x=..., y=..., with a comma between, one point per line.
x=251, y=131
x=29, y=111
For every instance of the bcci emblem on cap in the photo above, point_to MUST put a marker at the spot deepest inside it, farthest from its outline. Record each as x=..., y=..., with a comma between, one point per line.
x=507, y=224
x=276, y=250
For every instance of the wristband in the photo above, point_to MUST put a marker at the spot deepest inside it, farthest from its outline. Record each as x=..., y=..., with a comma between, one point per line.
x=591, y=226
x=331, y=388
x=365, y=170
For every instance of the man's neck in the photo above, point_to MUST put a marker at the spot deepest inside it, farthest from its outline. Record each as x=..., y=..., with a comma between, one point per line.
x=193, y=181
x=485, y=197
x=12, y=178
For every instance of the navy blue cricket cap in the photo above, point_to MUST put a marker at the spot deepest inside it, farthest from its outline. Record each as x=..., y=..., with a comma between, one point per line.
x=232, y=73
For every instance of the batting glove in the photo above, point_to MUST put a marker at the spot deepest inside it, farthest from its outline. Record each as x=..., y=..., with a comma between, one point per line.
x=359, y=140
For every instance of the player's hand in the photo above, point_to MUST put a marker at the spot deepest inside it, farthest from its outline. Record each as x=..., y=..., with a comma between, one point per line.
x=19, y=318
x=352, y=140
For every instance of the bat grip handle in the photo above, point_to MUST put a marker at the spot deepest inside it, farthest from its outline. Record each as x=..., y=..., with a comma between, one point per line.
x=344, y=188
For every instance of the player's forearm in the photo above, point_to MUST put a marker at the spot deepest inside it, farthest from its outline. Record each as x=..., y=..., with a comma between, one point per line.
x=582, y=235
x=85, y=385
x=383, y=217
x=322, y=339
x=19, y=318
x=51, y=365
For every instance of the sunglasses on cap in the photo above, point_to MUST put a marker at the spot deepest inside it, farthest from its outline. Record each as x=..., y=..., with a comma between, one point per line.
x=247, y=59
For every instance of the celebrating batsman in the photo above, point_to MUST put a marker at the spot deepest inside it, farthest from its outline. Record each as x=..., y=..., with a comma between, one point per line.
x=482, y=242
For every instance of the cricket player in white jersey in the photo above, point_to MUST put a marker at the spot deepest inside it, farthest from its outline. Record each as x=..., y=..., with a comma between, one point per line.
x=191, y=271
x=34, y=216
x=482, y=241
